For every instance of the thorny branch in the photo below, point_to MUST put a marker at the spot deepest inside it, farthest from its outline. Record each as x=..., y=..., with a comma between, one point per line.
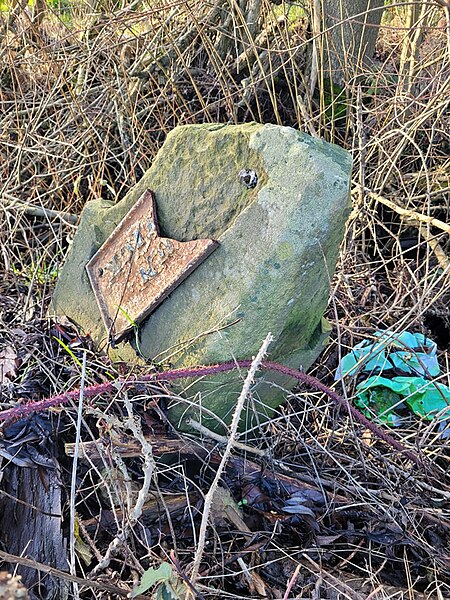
x=23, y=410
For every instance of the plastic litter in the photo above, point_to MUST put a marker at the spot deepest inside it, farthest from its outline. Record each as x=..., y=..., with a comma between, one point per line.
x=400, y=369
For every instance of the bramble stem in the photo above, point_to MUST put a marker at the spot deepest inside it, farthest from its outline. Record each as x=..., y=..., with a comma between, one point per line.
x=24, y=410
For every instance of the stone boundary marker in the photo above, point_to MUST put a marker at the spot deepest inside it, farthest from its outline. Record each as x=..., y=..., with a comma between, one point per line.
x=277, y=201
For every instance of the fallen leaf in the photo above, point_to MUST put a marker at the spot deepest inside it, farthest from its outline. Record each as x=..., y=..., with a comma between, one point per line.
x=9, y=363
x=225, y=508
x=367, y=438
x=255, y=582
x=326, y=540
x=257, y=585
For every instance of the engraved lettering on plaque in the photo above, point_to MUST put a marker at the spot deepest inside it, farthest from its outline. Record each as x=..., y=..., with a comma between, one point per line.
x=136, y=269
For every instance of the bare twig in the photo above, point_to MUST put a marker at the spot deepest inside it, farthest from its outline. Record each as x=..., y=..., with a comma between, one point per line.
x=255, y=365
x=11, y=203
x=81, y=581
x=291, y=582
x=412, y=214
x=114, y=547
x=435, y=246
x=223, y=439
x=76, y=590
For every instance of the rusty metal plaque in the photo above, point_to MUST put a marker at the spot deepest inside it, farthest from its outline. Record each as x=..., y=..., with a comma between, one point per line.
x=136, y=269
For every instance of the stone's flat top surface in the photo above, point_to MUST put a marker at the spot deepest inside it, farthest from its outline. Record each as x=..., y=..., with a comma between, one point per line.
x=136, y=269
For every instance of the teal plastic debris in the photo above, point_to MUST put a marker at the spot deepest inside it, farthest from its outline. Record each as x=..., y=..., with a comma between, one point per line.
x=407, y=352
x=386, y=398
x=382, y=396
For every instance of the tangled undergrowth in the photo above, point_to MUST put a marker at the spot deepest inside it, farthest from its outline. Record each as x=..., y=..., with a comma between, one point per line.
x=316, y=506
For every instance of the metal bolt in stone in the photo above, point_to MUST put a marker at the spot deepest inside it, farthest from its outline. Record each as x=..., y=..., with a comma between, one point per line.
x=248, y=177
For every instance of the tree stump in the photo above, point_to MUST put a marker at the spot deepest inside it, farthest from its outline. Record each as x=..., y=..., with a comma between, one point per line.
x=30, y=526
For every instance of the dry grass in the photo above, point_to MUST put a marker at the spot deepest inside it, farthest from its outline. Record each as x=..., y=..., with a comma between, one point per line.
x=86, y=101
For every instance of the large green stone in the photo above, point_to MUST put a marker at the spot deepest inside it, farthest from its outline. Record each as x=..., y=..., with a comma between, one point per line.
x=278, y=249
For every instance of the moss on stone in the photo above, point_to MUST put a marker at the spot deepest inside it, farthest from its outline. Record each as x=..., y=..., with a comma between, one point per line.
x=278, y=246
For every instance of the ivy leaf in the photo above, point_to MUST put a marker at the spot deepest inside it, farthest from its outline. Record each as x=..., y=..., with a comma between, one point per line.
x=152, y=577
